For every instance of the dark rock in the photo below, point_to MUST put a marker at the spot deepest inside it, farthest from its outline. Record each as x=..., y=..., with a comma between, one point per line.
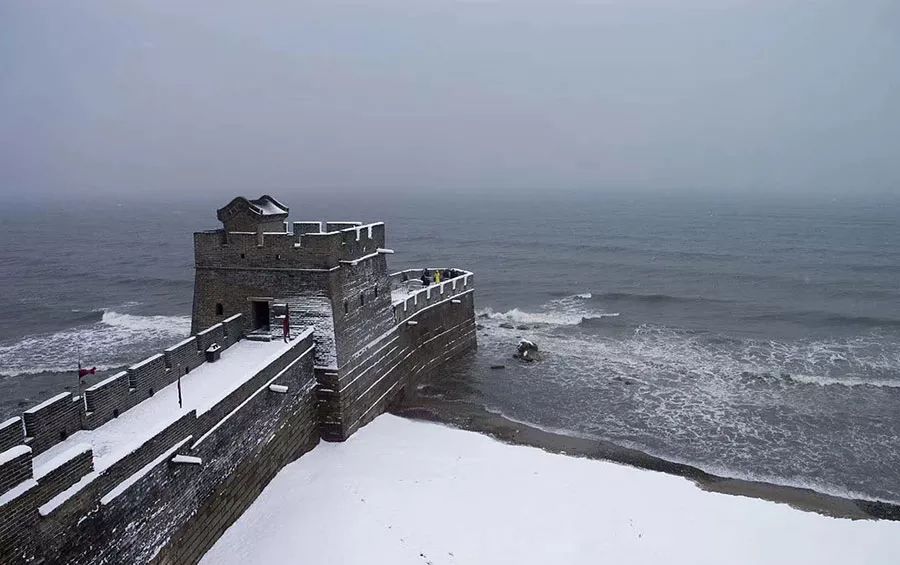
x=527, y=351
x=507, y=325
x=498, y=367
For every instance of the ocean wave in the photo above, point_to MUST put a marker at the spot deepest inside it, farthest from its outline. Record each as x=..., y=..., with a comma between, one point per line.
x=718, y=469
x=112, y=340
x=639, y=351
x=651, y=298
x=819, y=318
x=560, y=317
x=517, y=316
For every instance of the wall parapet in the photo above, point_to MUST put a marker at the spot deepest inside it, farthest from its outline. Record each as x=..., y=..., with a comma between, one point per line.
x=418, y=299
x=11, y=433
x=68, y=490
x=55, y=419
x=307, y=248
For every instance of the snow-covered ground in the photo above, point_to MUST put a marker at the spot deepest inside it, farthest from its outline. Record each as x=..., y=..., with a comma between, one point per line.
x=404, y=492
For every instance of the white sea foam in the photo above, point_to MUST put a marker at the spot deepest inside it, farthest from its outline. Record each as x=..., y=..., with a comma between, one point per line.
x=517, y=316
x=865, y=360
x=568, y=311
x=114, y=340
x=834, y=381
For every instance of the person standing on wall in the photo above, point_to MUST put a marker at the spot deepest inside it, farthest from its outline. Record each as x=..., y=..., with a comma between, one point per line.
x=286, y=325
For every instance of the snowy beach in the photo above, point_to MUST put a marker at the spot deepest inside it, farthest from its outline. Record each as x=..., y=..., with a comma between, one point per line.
x=401, y=491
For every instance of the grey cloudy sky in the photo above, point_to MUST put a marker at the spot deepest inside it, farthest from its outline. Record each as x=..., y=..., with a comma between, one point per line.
x=167, y=96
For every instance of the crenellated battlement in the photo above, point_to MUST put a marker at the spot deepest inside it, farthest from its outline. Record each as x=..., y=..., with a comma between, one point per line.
x=306, y=247
x=48, y=427
x=410, y=297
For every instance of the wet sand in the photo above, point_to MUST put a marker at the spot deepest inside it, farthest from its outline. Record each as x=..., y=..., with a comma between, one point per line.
x=469, y=416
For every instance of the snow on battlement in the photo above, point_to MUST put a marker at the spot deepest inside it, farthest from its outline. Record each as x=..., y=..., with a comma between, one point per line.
x=98, y=464
x=409, y=296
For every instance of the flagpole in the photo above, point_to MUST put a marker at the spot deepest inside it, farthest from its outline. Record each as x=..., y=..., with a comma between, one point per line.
x=78, y=374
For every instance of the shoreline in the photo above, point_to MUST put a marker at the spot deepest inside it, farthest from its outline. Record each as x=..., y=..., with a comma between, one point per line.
x=472, y=417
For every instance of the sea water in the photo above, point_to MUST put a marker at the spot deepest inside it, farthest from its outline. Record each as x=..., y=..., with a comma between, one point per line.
x=751, y=337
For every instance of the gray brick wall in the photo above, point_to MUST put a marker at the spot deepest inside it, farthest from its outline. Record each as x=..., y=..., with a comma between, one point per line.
x=184, y=357
x=53, y=481
x=106, y=400
x=146, y=377
x=11, y=433
x=51, y=422
x=176, y=512
x=15, y=467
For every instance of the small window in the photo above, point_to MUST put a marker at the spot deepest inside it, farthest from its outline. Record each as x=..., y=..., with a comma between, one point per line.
x=278, y=257
x=62, y=435
x=362, y=299
x=151, y=392
x=187, y=370
x=376, y=290
x=242, y=255
x=219, y=309
x=116, y=413
x=346, y=307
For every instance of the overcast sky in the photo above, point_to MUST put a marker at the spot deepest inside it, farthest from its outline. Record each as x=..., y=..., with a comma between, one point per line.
x=168, y=96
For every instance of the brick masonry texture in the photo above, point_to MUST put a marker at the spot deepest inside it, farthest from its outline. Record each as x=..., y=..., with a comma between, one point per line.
x=363, y=353
x=15, y=468
x=11, y=434
x=54, y=421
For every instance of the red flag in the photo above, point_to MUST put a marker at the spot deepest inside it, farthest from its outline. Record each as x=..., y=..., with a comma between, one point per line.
x=85, y=372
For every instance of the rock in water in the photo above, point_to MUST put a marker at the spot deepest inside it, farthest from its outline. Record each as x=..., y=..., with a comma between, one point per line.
x=527, y=351
x=507, y=326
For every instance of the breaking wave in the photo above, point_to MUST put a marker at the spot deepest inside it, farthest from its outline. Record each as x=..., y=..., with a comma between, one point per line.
x=571, y=310
x=521, y=317
x=638, y=351
x=108, y=339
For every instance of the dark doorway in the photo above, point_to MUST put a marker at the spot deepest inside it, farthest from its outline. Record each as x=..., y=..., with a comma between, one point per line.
x=260, y=314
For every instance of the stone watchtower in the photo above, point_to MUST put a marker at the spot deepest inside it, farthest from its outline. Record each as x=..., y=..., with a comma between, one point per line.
x=370, y=348
x=331, y=275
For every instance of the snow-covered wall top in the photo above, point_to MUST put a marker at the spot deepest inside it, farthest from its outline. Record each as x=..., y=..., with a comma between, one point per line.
x=411, y=296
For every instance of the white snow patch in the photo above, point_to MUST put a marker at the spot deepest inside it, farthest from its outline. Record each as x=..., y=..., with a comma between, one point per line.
x=48, y=402
x=187, y=460
x=407, y=493
x=107, y=380
x=48, y=465
x=13, y=452
x=17, y=491
x=150, y=359
x=10, y=422
x=127, y=483
x=259, y=390
x=56, y=501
